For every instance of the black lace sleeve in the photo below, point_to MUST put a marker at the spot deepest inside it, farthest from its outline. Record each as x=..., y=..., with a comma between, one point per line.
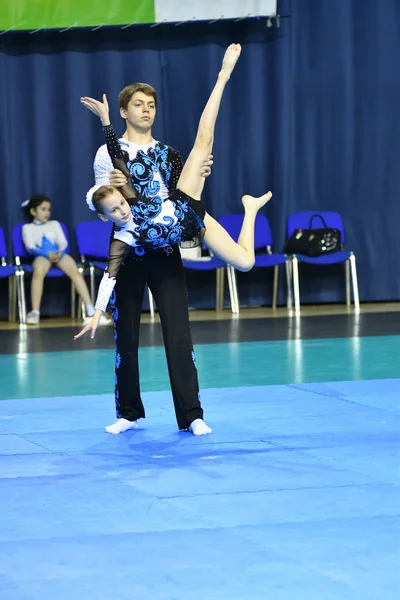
x=113, y=147
x=176, y=162
x=117, y=254
x=119, y=159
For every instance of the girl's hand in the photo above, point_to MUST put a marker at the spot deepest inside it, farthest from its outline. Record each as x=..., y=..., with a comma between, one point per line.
x=54, y=257
x=98, y=108
x=91, y=326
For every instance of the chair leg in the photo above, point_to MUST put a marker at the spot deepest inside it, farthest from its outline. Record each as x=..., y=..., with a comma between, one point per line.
x=233, y=289
x=12, y=297
x=73, y=301
x=355, y=282
x=347, y=277
x=231, y=292
x=81, y=311
x=275, y=286
x=21, y=297
x=289, y=296
x=151, y=304
x=92, y=278
x=296, y=285
x=220, y=277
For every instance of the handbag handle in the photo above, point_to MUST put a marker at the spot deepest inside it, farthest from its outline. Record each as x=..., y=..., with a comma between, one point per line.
x=318, y=217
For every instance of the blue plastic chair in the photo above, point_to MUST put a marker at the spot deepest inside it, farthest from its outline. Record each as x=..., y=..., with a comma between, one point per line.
x=262, y=240
x=212, y=263
x=93, y=240
x=12, y=274
x=302, y=220
x=24, y=260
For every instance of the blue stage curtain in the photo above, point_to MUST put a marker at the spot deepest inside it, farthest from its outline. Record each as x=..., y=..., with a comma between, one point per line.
x=311, y=112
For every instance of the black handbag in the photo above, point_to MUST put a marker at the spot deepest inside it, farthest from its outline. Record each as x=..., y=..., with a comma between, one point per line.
x=314, y=242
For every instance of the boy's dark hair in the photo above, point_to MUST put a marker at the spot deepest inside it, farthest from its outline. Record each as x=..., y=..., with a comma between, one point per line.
x=126, y=94
x=34, y=202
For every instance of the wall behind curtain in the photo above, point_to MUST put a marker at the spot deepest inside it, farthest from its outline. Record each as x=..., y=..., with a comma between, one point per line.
x=311, y=112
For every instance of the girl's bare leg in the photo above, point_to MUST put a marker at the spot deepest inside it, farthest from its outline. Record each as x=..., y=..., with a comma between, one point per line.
x=191, y=181
x=41, y=266
x=241, y=254
x=70, y=268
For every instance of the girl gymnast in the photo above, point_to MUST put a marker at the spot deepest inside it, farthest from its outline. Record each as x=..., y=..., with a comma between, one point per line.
x=44, y=239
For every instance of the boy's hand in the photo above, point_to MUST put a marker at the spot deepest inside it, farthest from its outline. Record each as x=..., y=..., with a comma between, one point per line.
x=206, y=168
x=117, y=178
x=98, y=108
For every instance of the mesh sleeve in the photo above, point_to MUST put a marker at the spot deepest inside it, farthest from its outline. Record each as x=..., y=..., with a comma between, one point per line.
x=118, y=252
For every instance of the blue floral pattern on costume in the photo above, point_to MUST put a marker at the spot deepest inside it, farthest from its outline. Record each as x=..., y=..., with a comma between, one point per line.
x=117, y=404
x=147, y=170
x=143, y=168
x=115, y=315
x=185, y=228
x=114, y=312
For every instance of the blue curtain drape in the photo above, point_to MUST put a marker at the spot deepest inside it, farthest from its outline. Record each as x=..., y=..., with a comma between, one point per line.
x=311, y=112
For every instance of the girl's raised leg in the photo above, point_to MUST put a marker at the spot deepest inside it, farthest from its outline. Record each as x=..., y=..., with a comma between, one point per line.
x=191, y=181
x=241, y=254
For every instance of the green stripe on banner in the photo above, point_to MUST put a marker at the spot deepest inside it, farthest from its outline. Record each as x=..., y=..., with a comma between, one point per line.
x=32, y=15
x=60, y=14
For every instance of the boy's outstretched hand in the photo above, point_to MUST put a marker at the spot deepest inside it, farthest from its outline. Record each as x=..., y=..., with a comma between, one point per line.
x=100, y=109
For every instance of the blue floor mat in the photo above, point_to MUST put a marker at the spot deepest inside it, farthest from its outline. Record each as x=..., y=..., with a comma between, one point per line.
x=294, y=495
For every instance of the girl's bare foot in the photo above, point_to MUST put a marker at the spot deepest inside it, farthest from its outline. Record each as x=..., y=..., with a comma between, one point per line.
x=252, y=203
x=230, y=59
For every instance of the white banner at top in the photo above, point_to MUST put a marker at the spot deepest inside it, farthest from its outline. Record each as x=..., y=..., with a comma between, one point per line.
x=209, y=10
